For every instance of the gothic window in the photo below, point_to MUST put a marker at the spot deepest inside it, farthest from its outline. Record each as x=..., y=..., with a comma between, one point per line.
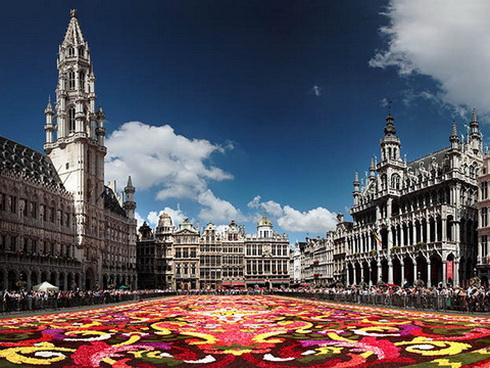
x=81, y=51
x=472, y=171
x=71, y=51
x=71, y=80
x=395, y=181
x=484, y=190
x=71, y=120
x=484, y=217
x=82, y=80
x=13, y=204
x=384, y=182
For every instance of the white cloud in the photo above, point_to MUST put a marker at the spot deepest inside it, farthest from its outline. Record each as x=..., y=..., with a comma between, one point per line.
x=217, y=209
x=443, y=39
x=316, y=220
x=173, y=165
x=177, y=216
x=157, y=157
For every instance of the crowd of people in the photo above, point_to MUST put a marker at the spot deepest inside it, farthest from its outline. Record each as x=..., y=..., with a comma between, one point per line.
x=474, y=298
x=23, y=300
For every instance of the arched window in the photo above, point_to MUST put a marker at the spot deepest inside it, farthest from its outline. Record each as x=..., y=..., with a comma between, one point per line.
x=395, y=181
x=82, y=80
x=71, y=80
x=384, y=182
x=71, y=51
x=81, y=51
x=71, y=120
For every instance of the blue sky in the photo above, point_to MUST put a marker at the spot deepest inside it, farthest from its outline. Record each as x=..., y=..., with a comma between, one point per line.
x=279, y=99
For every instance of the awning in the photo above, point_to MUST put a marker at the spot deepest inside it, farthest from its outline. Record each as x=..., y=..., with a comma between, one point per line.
x=232, y=283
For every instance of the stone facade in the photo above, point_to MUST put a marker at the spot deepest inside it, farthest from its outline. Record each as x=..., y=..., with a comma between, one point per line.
x=37, y=234
x=266, y=257
x=213, y=259
x=86, y=230
x=483, y=252
x=233, y=248
x=411, y=220
x=416, y=220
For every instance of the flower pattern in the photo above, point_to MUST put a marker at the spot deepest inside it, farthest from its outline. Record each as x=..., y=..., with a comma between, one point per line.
x=244, y=331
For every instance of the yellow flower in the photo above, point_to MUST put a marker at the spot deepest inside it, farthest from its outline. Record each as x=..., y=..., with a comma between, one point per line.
x=47, y=353
x=427, y=347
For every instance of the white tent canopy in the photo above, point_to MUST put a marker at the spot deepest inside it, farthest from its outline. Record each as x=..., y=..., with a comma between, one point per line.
x=45, y=286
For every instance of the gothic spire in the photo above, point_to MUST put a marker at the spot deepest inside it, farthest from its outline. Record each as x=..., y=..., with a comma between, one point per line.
x=473, y=116
x=49, y=107
x=73, y=35
x=390, y=125
x=454, y=133
x=372, y=168
x=130, y=183
x=475, y=137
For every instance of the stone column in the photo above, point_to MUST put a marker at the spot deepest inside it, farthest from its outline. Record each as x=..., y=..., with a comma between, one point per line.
x=388, y=207
x=435, y=229
x=456, y=234
x=379, y=271
x=65, y=281
x=414, y=270
x=402, y=264
x=479, y=247
x=390, y=271
x=427, y=229
x=456, y=272
x=390, y=238
x=370, y=275
x=347, y=279
x=444, y=229
x=429, y=273
x=444, y=272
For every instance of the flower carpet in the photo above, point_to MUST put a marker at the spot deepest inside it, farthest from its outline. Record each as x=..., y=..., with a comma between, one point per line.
x=244, y=331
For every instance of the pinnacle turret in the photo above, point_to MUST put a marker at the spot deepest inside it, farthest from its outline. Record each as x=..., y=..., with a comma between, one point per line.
x=372, y=168
x=454, y=137
x=129, y=204
x=390, y=143
x=390, y=125
x=475, y=137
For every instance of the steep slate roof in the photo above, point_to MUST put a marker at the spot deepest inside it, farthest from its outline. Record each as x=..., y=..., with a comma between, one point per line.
x=27, y=163
x=111, y=203
x=428, y=159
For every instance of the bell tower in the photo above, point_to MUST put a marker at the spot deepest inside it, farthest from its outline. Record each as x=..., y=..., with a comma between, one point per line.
x=75, y=133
